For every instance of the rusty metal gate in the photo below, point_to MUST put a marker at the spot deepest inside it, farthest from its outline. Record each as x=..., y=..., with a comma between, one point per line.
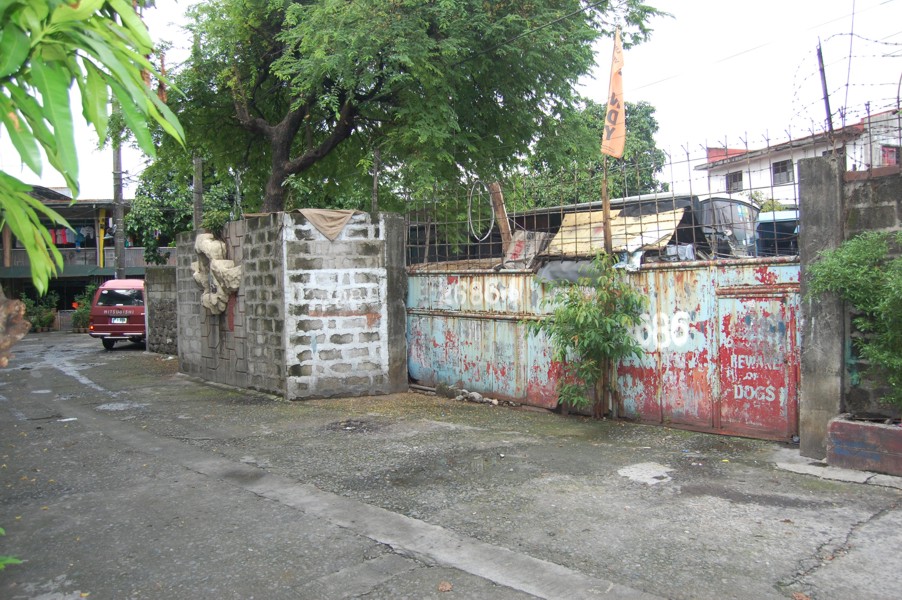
x=720, y=342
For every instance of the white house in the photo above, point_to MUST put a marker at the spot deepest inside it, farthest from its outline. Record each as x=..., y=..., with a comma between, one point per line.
x=772, y=172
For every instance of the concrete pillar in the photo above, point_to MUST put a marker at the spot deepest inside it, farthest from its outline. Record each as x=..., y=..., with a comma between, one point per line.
x=823, y=318
x=396, y=300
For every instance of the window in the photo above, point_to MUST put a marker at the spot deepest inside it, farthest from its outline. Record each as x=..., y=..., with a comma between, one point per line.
x=126, y=297
x=890, y=155
x=781, y=172
x=734, y=181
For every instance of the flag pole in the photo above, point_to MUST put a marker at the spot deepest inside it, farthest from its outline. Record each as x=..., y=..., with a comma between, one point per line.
x=612, y=144
x=614, y=137
x=606, y=207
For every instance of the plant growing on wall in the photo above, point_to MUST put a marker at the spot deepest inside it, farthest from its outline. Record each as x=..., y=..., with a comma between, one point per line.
x=862, y=274
x=590, y=330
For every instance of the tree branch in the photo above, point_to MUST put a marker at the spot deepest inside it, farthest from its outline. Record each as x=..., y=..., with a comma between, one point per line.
x=342, y=130
x=254, y=124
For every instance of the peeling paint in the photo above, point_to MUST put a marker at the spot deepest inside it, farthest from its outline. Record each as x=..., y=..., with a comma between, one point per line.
x=720, y=343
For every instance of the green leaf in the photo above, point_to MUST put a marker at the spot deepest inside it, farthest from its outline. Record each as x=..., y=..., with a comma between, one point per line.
x=78, y=11
x=14, y=49
x=134, y=119
x=95, y=99
x=31, y=16
x=111, y=52
x=52, y=81
x=31, y=110
x=21, y=216
x=167, y=120
x=20, y=135
x=4, y=4
x=133, y=22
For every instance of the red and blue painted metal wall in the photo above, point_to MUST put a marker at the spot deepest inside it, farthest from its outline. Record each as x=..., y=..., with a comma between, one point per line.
x=720, y=343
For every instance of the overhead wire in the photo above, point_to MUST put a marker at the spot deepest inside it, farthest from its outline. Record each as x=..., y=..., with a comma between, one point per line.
x=851, y=40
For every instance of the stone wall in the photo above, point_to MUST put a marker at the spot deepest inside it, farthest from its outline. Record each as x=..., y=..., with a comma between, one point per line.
x=161, y=305
x=312, y=318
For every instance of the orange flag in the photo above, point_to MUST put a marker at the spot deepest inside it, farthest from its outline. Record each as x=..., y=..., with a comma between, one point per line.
x=615, y=118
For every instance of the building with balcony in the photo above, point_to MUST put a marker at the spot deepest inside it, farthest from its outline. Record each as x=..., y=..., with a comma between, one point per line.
x=87, y=249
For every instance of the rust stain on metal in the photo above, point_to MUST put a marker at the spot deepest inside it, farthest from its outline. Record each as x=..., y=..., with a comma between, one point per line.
x=719, y=340
x=759, y=291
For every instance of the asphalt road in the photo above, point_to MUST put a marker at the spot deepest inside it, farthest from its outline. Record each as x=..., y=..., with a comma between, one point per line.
x=121, y=478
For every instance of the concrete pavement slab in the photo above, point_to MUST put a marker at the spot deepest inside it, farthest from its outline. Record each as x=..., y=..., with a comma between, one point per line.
x=175, y=488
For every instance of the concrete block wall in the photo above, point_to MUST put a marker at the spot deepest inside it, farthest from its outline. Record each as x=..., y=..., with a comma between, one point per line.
x=215, y=347
x=190, y=311
x=262, y=303
x=872, y=201
x=161, y=303
x=345, y=336
x=312, y=318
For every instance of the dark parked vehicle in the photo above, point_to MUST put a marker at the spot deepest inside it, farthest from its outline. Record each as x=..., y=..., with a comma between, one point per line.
x=778, y=233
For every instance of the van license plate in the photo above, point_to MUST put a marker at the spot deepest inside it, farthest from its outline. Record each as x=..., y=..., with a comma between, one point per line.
x=119, y=320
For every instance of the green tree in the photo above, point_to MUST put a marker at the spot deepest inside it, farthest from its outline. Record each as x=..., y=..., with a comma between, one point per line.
x=47, y=47
x=566, y=165
x=443, y=88
x=163, y=205
x=590, y=330
x=765, y=204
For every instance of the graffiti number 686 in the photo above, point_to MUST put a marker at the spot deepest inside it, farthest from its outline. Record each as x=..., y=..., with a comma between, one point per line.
x=660, y=330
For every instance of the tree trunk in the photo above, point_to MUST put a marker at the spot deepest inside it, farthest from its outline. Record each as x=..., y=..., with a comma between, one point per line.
x=601, y=395
x=274, y=201
x=605, y=392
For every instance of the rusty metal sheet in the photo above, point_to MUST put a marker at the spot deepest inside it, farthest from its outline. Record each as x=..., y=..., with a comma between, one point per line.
x=582, y=234
x=758, y=366
x=466, y=330
x=720, y=343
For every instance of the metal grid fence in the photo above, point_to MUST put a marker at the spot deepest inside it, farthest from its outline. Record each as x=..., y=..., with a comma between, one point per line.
x=717, y=205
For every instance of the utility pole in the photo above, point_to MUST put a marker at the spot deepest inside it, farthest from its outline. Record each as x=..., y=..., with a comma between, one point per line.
x=377, y=156
x=820, y=63
x=118, y=211
x=198, y=186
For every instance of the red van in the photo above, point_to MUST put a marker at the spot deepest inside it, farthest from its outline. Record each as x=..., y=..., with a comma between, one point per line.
x=118, y=312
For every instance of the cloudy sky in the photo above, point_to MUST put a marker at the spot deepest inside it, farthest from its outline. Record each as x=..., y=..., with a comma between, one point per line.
x=718, y=72
x=724, y=71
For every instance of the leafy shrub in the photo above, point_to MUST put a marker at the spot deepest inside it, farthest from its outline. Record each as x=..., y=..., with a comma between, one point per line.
x=41, y=312
x=590, y=329
x=862, y=274
x=82, y=314
x=214, y=221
